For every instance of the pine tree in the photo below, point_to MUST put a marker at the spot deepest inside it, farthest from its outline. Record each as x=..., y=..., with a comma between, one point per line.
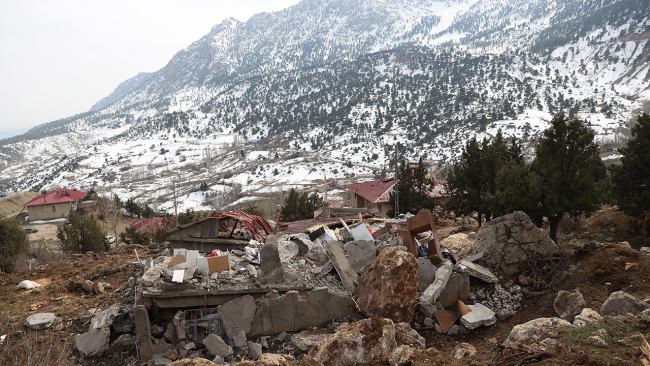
x=300, y=206
x=13, y=241
x=632, y=178
x=414, y=189
x=81, y=234
x=567, y=162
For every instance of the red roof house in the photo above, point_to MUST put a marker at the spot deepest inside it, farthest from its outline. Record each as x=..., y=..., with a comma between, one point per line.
x=53, y=205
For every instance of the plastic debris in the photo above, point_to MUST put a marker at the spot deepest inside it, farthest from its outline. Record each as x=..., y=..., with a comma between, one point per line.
x=28, y=285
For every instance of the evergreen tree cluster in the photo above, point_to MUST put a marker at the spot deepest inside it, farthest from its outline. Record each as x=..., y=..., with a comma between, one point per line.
x=414, y=187
x=567, y=176
x=300, y=206
x=13, y=241
x=81, y=234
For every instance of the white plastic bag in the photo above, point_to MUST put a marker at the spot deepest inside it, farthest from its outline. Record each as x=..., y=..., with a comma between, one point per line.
x=28, y=285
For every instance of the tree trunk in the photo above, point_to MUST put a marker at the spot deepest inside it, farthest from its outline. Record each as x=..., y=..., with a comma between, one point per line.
x=480, y=219
x=554, y=222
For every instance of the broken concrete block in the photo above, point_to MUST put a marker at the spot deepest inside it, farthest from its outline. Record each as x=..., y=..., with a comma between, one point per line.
x=308, y=339
x=157, y=331
x=237, y=315
x=105, y=318
x=457, y=288
x=427, y=273
x=481, y=315
x=159, y=360
x=283, y=314
x=348, y=276
x=435, y=289
x=568, y=304
x=143, y=330
x=170, y=334
x=361, y=254
x=240, y=339
x=94, y=342
x=216, y=346
x=254, y=350
x=151, y=276
x=42, y=321
x=272, y=269
x=476, y=270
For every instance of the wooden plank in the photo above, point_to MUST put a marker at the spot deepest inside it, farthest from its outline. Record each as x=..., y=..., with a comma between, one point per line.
x=216, y=241
x=349, y=277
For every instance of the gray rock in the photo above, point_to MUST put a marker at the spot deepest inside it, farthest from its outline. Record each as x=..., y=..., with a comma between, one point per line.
x=42, y=321
x=94, y=342
x=427, y=273
x=453, y=330
x=361, y=254
x=476, y=270
x=272, y=269
x=457, y=288
x=157, y=331
x=106, y=317
x=481, y=315
x=254, y=350
x=308, y=339
x=405, y=335
x=240, y=339
x=237, y=315
x=216, y=346
x=160, y=360
x=510, y=240
x=534, y=331
x=568, y=304
x=588, y=316
x=435, y=289
x=622, y=303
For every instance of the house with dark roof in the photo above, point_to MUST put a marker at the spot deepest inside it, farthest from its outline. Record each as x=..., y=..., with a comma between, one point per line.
x=53, y=205
x=375, y=195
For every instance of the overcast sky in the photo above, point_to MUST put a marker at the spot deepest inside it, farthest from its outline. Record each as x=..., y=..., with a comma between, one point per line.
x=57, y=58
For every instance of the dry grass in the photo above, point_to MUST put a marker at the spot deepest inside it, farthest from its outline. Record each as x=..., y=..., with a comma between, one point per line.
x=32, y=348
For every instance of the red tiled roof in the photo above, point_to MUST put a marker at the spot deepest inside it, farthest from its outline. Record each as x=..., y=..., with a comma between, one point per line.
x=257, y=225
x=374, y=191
x=335, y=204
x=56, y=196
x=152, y=224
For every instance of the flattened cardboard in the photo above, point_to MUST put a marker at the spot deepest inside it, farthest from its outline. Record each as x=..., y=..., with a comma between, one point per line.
x=218, y=264
x=178, y=259
x=447, y=318
x=178, y=275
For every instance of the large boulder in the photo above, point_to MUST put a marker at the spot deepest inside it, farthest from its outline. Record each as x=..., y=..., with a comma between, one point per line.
x=390, y=287
x=510, y=240
x=459, y=244
x=357, y=343
x=569, y=304
x=622, y=303
x=586, y=316
x=534, y=331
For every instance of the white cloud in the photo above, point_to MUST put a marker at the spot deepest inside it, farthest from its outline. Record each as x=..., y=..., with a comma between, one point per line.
x=57, y=58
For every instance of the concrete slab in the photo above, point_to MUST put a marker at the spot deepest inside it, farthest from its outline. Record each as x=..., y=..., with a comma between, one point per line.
x=481, y=315
x=94, y=342
x=105, y=318
x=476, y=270
x=272, y=269
x=152, y=275
x=143, y=331
x=240, y=339
x=435, y=289
x=42, y=321
x=457, y=289
x=427, y=273
x=348, y=276
x=237, y=315
x=216, y=346
x=361, y=254
x=254, y=350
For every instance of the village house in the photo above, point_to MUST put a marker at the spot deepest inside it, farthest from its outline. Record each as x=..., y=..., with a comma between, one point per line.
x=53, y=205
x=374, y=195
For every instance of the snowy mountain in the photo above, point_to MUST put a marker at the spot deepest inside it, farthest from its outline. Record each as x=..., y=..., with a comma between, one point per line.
x=336, y=87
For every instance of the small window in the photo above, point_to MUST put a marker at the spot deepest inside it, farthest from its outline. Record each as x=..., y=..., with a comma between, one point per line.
x=367, y=202
x=53, y=208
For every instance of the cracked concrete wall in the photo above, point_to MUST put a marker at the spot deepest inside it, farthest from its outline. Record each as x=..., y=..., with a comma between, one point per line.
x=291, y=312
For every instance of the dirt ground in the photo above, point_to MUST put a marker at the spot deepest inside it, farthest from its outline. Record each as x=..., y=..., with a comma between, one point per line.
x=13, y=204
x=595, y=272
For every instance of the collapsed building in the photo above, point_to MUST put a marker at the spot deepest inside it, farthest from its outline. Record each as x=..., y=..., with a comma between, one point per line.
x=221, y=287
